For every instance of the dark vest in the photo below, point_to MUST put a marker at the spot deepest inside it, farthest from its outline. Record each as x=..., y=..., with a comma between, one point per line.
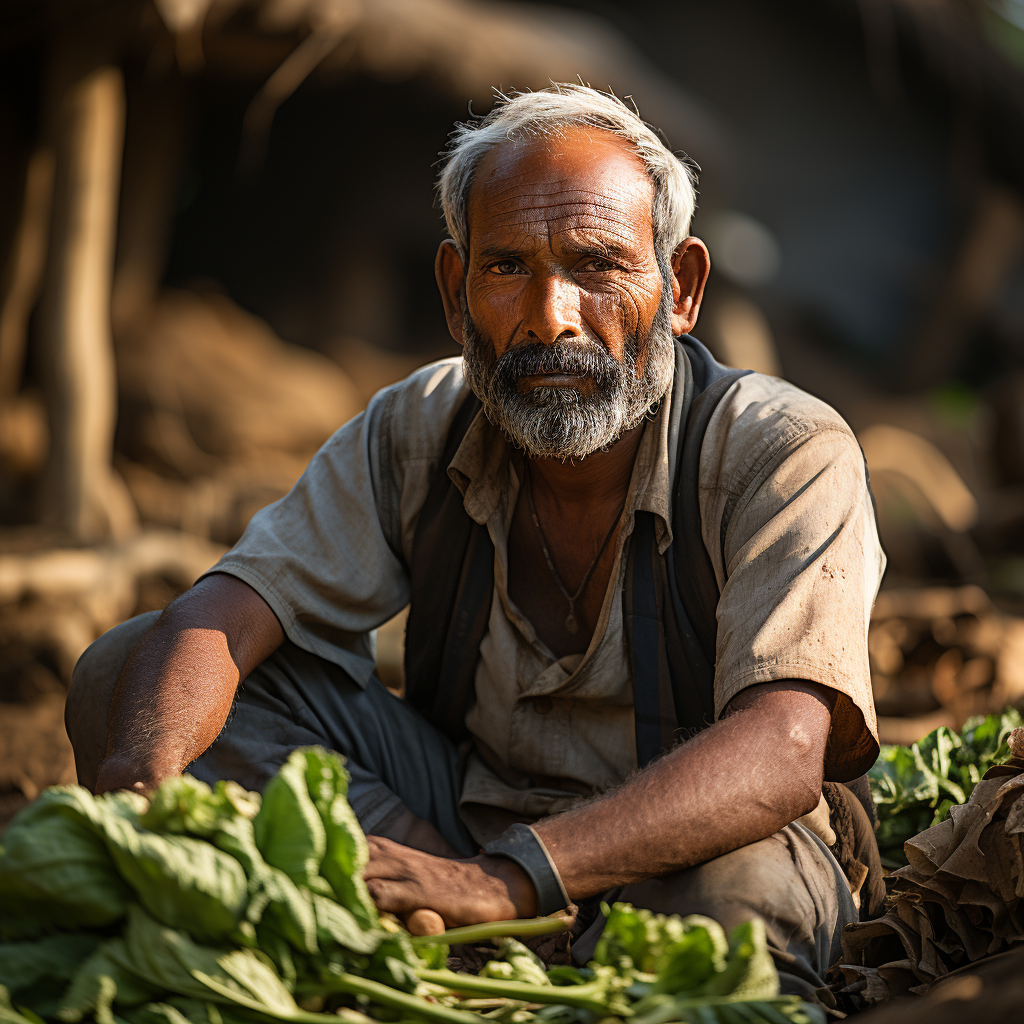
x=670, y=600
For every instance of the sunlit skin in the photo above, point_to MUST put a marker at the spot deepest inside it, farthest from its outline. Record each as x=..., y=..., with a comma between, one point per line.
x=561, y=246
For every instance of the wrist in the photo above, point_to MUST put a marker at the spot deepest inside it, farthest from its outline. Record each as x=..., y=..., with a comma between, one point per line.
x=522, y=845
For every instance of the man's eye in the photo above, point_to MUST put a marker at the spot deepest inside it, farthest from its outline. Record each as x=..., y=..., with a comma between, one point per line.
x=598, y=265
x=505, y=267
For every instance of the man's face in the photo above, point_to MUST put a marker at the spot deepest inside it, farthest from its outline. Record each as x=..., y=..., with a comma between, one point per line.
x=565, y=312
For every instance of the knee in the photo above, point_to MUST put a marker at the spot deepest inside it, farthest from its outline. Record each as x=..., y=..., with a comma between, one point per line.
x=759, y=880
x=94, y=678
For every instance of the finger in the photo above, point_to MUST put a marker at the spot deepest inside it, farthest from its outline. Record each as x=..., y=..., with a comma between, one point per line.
x=395, y=897
x=392, y=860
x=380, y=844
x=386, y=859
x=425, y=922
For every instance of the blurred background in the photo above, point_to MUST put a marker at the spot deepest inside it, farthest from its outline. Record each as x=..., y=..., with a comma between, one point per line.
x=217, y=232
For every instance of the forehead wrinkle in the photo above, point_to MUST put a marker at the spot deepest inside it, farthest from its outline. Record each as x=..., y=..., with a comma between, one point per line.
x=568, y=208
x=607, y=212
x=528, y=222
x=614, y=200
x=585, y=215
x=542, y=193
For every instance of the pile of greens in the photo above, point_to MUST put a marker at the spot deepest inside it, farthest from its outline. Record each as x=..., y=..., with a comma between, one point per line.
x=214, y=906
x=914, y=787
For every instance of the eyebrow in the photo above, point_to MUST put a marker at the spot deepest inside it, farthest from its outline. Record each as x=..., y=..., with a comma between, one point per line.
x=503, y=252
x=582, y=246
x=589, y=246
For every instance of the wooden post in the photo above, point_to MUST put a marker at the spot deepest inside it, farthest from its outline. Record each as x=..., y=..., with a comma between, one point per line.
x=25, y=270
x=83, y=495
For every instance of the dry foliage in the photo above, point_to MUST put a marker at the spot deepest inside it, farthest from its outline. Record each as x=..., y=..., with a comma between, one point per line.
x=957, y=901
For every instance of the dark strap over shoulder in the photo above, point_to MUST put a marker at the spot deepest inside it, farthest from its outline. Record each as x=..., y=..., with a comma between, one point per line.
x=671, y=602
x=689, y=554
x=452, y=581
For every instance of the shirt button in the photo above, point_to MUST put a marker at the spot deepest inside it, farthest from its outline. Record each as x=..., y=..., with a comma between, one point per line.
x=542, y=705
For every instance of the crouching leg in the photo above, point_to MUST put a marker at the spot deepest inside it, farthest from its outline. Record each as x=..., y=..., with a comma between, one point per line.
x=399, y=763
x=789, y=881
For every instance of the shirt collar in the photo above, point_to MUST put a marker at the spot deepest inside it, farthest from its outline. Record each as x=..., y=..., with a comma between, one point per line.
x=480, y=469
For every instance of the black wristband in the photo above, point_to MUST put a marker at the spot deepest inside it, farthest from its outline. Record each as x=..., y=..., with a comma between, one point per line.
x=523, y=846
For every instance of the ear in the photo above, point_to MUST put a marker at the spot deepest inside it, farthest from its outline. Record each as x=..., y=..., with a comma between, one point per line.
x=450, y=275
x=691, y=264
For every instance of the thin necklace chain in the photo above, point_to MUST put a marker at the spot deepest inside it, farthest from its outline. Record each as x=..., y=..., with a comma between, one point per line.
x=571, y=622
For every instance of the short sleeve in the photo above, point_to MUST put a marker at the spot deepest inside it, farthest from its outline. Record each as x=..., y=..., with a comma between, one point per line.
x=788, y=519
x=330, y=557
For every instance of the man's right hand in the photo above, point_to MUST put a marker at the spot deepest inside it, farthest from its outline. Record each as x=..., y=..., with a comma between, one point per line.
x=175, y=692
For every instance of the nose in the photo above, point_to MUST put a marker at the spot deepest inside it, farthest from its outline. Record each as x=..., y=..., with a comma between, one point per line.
x=552, y=310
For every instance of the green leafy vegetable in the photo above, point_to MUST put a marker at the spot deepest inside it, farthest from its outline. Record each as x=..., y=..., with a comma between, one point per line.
x=212, y=906
x=289, y=832
x=516, y=962
x=914, y=787
x=55, y=871
x=23, y=964
x=346, y=855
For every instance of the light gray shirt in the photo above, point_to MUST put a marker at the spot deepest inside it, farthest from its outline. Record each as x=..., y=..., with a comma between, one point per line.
x=798, y=575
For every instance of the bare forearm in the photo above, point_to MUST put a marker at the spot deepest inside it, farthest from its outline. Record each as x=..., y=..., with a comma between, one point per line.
x=738, y=782
x=176, y=690
x=729, y=786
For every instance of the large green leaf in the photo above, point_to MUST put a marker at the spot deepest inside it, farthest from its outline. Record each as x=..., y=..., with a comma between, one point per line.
x=102, y=980
x=223, y=816
x=289, y=832
x=168, y=960
x=53, y=959
x=690, y=961
x=180, y=880
x=55, y=871
x=346, y=854
x=337, y=925
x=749, y=972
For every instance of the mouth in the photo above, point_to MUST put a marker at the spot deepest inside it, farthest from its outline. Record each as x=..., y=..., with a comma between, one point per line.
x=554, y=380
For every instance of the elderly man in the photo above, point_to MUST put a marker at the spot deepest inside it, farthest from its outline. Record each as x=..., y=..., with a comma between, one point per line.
x=639, y=583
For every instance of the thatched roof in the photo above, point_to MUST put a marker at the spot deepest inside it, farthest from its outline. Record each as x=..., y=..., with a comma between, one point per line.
x=465, y=47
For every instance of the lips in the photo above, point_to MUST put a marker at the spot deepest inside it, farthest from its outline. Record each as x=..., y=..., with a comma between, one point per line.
x=554, y=379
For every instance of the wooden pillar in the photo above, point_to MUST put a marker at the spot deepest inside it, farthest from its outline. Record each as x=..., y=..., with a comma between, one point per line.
x=83, y=495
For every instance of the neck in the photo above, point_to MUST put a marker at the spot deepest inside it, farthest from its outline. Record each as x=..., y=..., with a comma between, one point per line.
x=603, y=476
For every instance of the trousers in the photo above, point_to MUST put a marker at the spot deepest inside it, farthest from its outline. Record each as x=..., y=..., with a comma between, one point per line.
x=396, y=758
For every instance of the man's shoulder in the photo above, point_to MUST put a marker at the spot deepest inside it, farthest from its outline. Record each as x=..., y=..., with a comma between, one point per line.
x=417, y=412
x=771, y=406
x=760, y=419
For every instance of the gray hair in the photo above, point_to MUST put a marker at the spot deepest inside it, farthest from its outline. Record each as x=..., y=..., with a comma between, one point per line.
x=546, y=112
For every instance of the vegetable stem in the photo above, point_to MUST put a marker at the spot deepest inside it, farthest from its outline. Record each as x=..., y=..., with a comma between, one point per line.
x=498, y=930
x=586, y=997
x=387, y=996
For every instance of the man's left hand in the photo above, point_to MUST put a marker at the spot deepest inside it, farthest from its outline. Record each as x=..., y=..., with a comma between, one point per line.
x=460, y=892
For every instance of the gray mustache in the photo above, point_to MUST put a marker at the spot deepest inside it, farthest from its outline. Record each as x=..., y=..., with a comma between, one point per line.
x=585, y=359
